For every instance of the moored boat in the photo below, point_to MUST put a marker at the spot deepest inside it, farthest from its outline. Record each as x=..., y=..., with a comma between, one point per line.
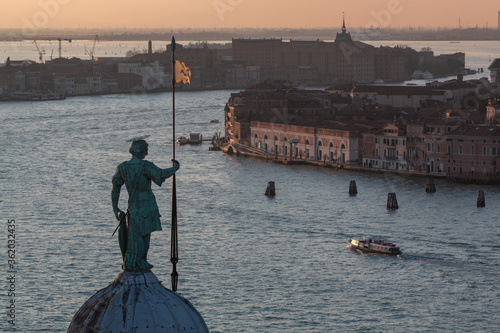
x=182, y=140
x=375, y=246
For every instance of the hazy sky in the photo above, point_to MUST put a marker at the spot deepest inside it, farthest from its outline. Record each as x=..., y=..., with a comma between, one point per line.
x=38, y=14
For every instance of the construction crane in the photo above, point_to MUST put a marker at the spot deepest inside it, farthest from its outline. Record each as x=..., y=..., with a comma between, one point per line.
x=91, y=52
x=58, y=39
x=41, y=52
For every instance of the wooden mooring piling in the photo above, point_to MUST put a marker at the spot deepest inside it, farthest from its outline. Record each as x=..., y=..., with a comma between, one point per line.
x=430, y=187
x=353, y=190
x=480, y=199
x=270, y=190
x=392, y=202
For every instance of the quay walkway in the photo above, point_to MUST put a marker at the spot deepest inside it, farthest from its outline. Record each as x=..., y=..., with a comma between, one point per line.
x=248, y=151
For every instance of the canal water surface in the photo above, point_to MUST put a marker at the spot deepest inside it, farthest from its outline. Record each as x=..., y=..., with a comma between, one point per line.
x=248, y=263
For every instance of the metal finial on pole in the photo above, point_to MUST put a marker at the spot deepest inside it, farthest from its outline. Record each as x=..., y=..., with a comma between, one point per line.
x=174, y=252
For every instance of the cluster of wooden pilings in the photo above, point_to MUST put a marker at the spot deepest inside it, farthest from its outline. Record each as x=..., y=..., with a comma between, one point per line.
x=392, y=201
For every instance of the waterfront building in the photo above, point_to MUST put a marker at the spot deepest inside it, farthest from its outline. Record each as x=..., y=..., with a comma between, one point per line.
x=453, y=146
x=436, y=148
x=493, y=110
x=127, y=82
x=390, y=63
x=152, y=73
x=473, y=149
x=414, y=97
x=273, y=103
x=109, y=84
x=326, y=141
x=95, y=84
x=64, y=84
x=415, y=146
x=81, y=85
x=308, y=61
x=495, y=71
x=385, y=147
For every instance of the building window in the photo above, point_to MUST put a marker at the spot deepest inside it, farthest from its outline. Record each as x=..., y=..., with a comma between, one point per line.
x=472, y=150
x=460, y=150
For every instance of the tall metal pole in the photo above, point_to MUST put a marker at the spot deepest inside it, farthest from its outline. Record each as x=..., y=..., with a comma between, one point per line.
x=174, y=252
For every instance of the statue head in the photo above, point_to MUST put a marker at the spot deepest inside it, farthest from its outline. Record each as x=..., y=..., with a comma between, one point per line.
x=139, y=149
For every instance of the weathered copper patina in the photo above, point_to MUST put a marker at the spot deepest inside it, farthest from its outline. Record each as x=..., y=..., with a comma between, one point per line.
x=143, y=216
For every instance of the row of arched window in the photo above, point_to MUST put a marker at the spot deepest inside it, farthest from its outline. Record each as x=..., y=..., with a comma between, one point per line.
x=285, y=138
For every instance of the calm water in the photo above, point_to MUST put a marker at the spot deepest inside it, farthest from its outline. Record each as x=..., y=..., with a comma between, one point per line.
x=248, y=263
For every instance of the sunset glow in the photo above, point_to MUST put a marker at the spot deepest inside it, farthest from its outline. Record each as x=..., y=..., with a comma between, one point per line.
x=246, y=13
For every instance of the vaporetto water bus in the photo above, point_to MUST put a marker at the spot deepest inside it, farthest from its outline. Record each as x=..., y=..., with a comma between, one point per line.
x=375, y=246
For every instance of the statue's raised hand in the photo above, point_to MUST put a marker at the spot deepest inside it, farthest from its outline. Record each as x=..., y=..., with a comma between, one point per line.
x=177, y=165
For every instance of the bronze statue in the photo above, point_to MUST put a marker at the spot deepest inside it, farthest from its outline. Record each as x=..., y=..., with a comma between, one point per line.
x=143, y=216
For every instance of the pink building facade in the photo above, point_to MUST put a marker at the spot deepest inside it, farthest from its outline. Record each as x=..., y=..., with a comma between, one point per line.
x=333, y=142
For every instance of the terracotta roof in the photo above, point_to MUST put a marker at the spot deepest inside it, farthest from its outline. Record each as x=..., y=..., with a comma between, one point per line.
x=495, y=64
x=337, y=125
x=444, y=121
x=477, y=131
x=398, y=90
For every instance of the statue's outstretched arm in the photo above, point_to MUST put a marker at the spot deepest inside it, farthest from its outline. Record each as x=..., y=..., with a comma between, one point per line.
x=166, y=173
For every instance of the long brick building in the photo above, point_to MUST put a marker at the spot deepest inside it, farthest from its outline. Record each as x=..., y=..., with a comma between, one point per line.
x=321, y=61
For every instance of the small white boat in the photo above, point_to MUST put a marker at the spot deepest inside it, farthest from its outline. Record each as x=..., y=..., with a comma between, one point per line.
x=375, y=246
x=418, y=74
x=426, y=75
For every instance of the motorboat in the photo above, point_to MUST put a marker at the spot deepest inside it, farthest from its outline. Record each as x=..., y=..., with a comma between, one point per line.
x=375, y=246
x=182, y=140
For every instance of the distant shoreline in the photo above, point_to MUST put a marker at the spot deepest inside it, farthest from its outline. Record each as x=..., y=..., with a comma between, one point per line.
x=226, y=34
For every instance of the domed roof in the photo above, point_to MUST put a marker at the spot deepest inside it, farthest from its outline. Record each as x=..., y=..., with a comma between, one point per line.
x=137, y=302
